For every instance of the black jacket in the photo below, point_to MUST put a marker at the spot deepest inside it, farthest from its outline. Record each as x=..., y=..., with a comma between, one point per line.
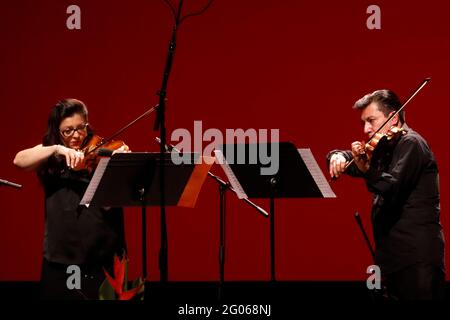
x=76, y=234
x=404, y=182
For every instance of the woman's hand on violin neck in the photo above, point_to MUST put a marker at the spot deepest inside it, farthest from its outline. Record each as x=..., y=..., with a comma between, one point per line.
x=74, y=158
x=360, y=156
x=337, y=165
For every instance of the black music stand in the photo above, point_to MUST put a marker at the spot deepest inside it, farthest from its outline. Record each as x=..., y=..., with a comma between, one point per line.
x=132, y=179
x=297, y=175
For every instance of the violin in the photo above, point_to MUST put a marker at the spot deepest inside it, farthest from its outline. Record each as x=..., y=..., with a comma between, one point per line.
x=382, y=141
x=97, y=148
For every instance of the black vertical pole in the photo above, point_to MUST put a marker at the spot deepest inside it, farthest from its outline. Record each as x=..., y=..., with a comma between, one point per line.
x=161, y=125
x=222, y=191
x=144, y=243
x=273, y=183
x=272, y=239
x=144, y=234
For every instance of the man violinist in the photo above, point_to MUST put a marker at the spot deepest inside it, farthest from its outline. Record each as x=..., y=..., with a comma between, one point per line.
x=402, y=175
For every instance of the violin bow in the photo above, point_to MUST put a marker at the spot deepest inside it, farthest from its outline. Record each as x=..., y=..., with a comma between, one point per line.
x=106, y=140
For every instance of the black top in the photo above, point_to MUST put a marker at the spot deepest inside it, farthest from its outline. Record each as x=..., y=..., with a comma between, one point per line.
x=76, y=234
x=404, y=182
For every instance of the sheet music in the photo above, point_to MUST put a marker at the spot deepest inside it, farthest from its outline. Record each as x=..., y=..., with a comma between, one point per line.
x=316, y=173
x=98, y=174
x=230, y=175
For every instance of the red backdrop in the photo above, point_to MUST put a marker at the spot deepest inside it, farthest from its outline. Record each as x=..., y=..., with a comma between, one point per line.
x=293, y=65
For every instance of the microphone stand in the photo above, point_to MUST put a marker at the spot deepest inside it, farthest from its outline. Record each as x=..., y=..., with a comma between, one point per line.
x=223, y=188
x=10, y=184
x=378, y=294
x=364, y=233
x=161, y=125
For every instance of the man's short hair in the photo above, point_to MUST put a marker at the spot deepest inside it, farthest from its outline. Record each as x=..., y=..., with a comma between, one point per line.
x=386, y=100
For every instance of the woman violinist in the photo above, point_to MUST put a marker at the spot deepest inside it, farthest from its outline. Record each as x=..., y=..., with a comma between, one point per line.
x=74, y=235
x=404, y=180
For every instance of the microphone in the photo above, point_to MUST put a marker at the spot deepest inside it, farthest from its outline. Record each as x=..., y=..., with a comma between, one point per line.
x=10, y=184
x=169, y=147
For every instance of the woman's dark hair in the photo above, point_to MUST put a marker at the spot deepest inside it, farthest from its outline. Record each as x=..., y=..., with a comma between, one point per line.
x=63, y=109
x=386, y=100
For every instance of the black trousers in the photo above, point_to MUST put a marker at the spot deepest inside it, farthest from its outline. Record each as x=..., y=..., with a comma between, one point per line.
x=417, y=282
x=53, y=285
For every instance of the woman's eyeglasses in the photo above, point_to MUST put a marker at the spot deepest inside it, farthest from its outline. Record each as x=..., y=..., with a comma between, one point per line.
x=70, y=131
